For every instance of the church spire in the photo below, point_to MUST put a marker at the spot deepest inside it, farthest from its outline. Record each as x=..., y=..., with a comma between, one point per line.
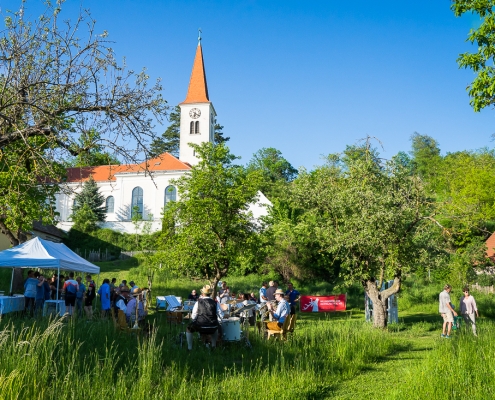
x=198, y=89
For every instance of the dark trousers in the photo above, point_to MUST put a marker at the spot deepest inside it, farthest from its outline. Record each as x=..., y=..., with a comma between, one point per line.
x=29, y=305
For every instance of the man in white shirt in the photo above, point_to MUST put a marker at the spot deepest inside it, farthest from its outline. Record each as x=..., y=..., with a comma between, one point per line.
x=121, y=300
x=206, y=316
x=446, y=311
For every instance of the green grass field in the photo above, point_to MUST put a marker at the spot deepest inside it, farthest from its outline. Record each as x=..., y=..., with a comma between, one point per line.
x=334, y=356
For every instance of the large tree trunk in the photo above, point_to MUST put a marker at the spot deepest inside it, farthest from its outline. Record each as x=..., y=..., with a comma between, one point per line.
x=379, y=299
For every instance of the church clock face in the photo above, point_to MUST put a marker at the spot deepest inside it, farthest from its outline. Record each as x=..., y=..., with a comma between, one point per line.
x=195, y=113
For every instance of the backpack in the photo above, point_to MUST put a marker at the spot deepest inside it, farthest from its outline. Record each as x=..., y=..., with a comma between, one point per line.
x=71, y=289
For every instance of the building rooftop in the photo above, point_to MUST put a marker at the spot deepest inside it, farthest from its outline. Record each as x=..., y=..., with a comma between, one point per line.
x=163, y=162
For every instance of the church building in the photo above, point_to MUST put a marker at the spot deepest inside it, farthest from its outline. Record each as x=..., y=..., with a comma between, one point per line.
x=126, y=187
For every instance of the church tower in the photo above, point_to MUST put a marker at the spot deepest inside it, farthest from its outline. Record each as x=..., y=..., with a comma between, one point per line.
x=197, y=115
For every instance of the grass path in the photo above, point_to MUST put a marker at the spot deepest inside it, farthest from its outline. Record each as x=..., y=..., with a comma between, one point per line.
x=379, y=380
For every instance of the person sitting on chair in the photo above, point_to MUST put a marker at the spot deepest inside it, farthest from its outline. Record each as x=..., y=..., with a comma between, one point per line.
x=136, y=300
x=206, y=317
x=281, y=314
x=121, y=301
x=193, y=296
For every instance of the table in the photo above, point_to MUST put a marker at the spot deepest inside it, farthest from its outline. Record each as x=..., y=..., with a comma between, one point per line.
x=54, y=307
x=11, y=304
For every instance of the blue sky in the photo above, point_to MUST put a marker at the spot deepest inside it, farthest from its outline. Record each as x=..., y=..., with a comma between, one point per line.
x=306, y=77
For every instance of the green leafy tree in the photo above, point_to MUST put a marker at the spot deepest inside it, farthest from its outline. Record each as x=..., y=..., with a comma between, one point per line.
x=85, y=219
x=218, y=135
x=59, y=80
x=481, y=90
x=91, y=152
x=373, y=218
x=210, y=228
x=169, y=141
x=22, y=198
x=275, y=170
x=91, y=197
x=426, y=157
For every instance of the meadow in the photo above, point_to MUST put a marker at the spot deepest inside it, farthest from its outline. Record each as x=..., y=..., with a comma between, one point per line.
x=334, y=356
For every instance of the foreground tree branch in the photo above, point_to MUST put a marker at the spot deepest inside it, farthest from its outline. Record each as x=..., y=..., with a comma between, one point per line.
x=60, y=80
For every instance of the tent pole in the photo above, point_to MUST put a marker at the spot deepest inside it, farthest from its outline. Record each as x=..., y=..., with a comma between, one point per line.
x=11, y=282
x=58, y=280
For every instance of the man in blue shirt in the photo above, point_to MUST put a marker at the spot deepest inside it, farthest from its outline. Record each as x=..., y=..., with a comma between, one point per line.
x=104, y=293
x=281, y=314
x=294, y=297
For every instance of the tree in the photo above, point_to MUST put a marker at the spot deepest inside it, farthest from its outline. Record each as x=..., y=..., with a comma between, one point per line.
x=210, y=228
x=426, y=156
x=275, y=170
x=93, y=153
x=373, y=218
x=169, y=142
x=89, y=199
x=218, y=135
x=481, y=90
x=22, y=198
x=59, y=81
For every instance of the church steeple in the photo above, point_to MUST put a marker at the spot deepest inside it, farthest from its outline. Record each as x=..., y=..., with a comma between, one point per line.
x=198, y=88
x=197, y=115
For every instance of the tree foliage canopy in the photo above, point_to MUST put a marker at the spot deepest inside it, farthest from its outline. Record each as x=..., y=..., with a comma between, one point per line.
x=60, y=83
x=373, y=217
x=482, y=89
x=210, y=227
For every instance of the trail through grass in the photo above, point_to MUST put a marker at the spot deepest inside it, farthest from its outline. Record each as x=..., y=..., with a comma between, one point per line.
x=381, y=379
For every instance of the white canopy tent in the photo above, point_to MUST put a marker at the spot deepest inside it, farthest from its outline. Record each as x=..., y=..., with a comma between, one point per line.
x=39, y=253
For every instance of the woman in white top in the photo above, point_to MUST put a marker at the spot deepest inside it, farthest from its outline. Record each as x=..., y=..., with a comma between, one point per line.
x=468, y=309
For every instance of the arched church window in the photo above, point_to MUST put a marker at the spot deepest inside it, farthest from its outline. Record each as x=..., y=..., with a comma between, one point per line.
x=137, y=202
x=191, y=128
x=196, y=127
x=109, y=205
x=170, y=194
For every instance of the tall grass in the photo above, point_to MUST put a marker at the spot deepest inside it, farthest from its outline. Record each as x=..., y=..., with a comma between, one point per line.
x=79, y=360
x=460, y=368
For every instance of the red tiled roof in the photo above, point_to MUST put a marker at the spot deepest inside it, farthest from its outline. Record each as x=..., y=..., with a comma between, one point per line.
x=198, y=88
x=490, y=244
x=164, y=162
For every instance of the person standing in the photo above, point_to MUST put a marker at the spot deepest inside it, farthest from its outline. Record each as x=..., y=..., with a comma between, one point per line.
x=70, y=289
x=80, y=296
x=40, y=295
x=263, y=297
x=90, y=295
x=446, y=311
x=104, y=292
x=468, y=308
x=293, y=296
x=113, y=286
x=30, y=292
x=224, y=293
x=270, y=292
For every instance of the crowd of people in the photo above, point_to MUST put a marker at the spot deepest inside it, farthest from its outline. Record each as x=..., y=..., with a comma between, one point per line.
x=79, y=296
x=208, y=313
